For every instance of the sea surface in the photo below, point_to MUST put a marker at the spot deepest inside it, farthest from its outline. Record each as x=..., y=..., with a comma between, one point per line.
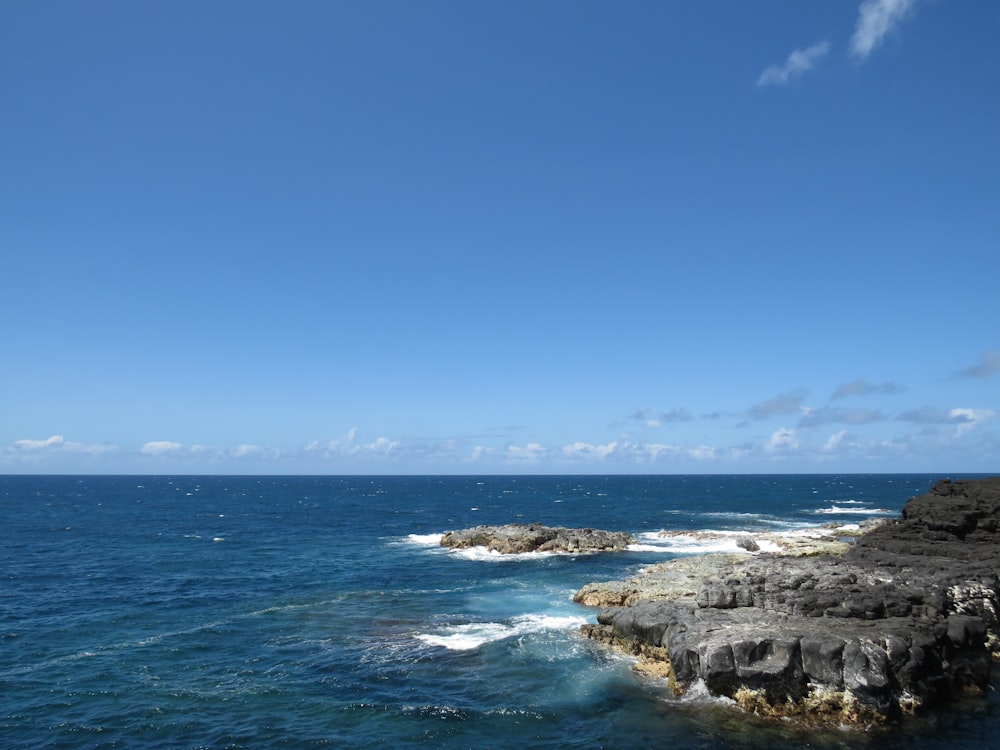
x=308, y=612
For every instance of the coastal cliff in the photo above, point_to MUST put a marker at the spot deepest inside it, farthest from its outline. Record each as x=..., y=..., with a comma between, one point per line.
x=906, y=617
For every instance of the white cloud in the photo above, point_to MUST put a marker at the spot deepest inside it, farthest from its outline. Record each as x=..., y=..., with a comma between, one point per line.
x=336, y=447
x=247, y=450
x=530, y=453
x=782, y=440
x=347, y=446
x=876, y=18
x=381, y=446
x=161, y=447
x=834, y=442
x=799, y=62
x=967, y=419
x=587, y=450
x=33, y=445
x=703, y=453
x=57, y=443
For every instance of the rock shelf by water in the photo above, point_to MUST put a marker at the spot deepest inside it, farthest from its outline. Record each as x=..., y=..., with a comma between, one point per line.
x=520, y=538
x=903, y=617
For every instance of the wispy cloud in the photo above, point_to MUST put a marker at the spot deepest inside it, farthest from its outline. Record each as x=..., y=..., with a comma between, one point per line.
x=864, y=388
x=161, y=447
x=876, y=19
x=835, y=443
x=348, y=445
x=31, y=445
x=835, y=415
x=58, y=444
x=786, y=403
x=657, y=418
x=799, y=62
x=530, y=453
x=927, y=415
x=962, y=418
x=967, y=419
x=587, y=450
x=987, y=366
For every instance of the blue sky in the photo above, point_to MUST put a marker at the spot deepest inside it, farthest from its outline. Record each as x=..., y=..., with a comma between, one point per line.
x=477, y=237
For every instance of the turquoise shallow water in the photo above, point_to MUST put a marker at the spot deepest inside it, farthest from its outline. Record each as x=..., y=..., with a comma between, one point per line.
x=300, y=612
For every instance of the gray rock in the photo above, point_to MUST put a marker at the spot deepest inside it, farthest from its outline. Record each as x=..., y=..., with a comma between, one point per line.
x=906, y=617
x=520, y=538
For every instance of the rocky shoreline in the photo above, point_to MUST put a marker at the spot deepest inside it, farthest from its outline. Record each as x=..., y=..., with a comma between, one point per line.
x=902, y=617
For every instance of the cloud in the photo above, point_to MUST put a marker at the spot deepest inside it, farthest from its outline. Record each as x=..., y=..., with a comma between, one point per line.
x=380, y=445
x=703, y=452
x=782, y=440
x=964, y=419
x=530, y=453
x=967, y=419
x=864, y=388
x=834, y=442
x=786, y=403
x=799, y=62
x=57, y=443
x=33, y=445
x=347, y=446
x=243, y=450
x=876, y=18
x=835, y=415
x=336, y=447
x=987, y=366
x=587, y=450
x=161, y=447
x=927, y=415
x=657, y=418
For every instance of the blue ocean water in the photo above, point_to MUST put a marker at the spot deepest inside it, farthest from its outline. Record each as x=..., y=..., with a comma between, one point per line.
x=302, y=612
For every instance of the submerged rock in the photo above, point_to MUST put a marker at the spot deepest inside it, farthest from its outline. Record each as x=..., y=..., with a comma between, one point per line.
x=906, y=617
x=519, y=538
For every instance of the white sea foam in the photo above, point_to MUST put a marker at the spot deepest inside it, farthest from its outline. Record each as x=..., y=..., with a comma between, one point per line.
x=704, y=542
x=425, y=540
x=472, y=635
x=698, y=692
x=694, y=543
x=492, y=555
x=836, y=510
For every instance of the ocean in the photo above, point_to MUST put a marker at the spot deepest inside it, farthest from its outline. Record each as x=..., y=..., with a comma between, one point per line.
x=308, y=612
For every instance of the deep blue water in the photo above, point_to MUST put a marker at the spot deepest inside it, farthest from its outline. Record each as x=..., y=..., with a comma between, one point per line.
x=300, y=612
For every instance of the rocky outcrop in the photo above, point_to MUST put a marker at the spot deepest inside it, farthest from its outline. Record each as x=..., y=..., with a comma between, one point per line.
x=906, y=617
x=519, y=538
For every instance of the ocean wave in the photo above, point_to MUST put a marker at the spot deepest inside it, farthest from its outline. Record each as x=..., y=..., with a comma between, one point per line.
x=698, y=543
x=745, y=517
x=492, y=555
x=472, y=635
x=425, y=540
x=836, y=510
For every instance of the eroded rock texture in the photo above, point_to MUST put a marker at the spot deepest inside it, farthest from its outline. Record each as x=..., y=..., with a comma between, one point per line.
x=519, y=538
x=906, y=617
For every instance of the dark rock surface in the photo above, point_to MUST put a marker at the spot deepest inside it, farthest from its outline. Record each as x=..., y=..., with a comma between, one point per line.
x=907, y=617
x=519, y=538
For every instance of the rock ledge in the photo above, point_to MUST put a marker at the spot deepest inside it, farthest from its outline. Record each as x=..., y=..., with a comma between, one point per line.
x=519, y=538
x=907, y=617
